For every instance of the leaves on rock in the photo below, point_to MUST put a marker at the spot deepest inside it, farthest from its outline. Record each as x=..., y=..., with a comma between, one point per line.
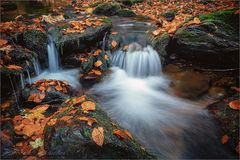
x=88, y=106
x=89, y=120
x=36, y=97
x=3, y=42
x=235, y=104
x=122, y=134
x=98, y=135
x=114, y=44
x=14, y=67
x=98, y=63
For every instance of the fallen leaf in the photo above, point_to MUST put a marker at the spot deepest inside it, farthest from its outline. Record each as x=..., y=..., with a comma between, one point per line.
x=236, y=89
x=113, y=33
x=237, y=149
x=235, y=104
x=224, y=139
x=52, y=122
x=125, y=47
x=128, y=133
x=98, y=135
x=59, y=88
x=5, y=105
x=114, y=44
x=37, y=143
x=41, y=152
x=98, y=63
x=89, y=120
x=80, y=99
x=96, y=72
x=106, y=57
x=66, y=118
x=14, y=67
x=88, y=106
x=3, y=42
x=120, y=134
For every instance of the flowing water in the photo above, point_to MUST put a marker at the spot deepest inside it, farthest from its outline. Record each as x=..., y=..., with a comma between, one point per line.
x=136, y=96
x=53, y=57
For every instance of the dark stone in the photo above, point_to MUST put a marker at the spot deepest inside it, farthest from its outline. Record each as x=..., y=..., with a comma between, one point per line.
x=36, y=41
x=8, y=6
x=214, y=43
x=130, y=2
x=74, y=139
x=125, y=13
x=228, y=119
x=107, y=9
x=170, y=15
x=160, y=44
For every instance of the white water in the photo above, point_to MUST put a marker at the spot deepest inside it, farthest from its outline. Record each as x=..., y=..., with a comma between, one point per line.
x=36, y=65
x=54, y=71
x=168, y=126
x=53, y=57
x=138, y=61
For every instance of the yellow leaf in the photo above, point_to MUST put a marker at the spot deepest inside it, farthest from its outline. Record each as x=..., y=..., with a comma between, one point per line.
x=98, y=136
x=89, y=10
x=88, y=106
x=114, y=44
x=89, y=120
x=98, y=63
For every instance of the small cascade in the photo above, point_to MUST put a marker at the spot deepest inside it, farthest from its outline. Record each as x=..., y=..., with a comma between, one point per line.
x=29, y=77
x=104, y=41
x=14, y=93
x=138, y=61
x=36, y=65
x=53, y=57
x=22, y=80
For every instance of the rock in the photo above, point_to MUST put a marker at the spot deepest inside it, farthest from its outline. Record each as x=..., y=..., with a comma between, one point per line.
x=73, y=138
x=213, y=44
x=107, y=9
x=47, y=88
x=125, y=13
x=216, y=92
x=113, y=37
x=190, y=84
x=129, y=2
x=8, y=6
x=160, y=44
x=169, y=15
x=36, y=41
x=228, y=119
x=81, y=42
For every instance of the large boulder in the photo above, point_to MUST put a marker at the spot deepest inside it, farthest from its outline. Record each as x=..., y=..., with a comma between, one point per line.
x=213, y=43
x=125, y=13
x=107, y=9
x=72, y=134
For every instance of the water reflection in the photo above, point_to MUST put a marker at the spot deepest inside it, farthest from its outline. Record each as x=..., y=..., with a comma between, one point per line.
x=33, y=8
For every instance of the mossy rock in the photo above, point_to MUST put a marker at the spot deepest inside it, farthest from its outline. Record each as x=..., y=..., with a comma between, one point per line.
x=73, y=139
x=107, y=9
x=125, y=13
x=212, y=44
x=169, y=15
x=130, y=2
x=36, y=41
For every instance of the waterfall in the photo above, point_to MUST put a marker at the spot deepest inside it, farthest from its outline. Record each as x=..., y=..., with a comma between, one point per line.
x=22, y=80
x=29, y=77
x=36, y=65
x=138, y=61
x=53, y=56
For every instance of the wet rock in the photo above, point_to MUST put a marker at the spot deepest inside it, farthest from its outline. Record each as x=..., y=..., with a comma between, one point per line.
x=73, y=138
x=81, y=42
x=53, y=92
x=36, y=41
x=228, y=119
x=107, y=9
x=190, y=84
x=125, y=13
x=214, y=43
x=216, y=92
x=129, y=2
x=113, y=37
x=170, y=15
x=160, y=44
x=8, y=6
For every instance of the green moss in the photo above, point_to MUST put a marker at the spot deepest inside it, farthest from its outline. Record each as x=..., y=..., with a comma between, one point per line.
x=107, y=9
x=87, y=132
x=106, y=21
x=125, y=13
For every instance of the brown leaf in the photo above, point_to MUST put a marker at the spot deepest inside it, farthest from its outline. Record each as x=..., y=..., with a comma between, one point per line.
x=89, y=120
x=52, y=122
x=113, y=33
x=120, y=134
x=98, y=63
x=3, y=42
x=59, y=88
x=66, y=118
x=106, y=57
x=235, y=104
x=5, y=105
x=14, y=67
x=88, y=106
x=224, y=139
x=98, y=135
x=80, y=99
x=114, y=44
x=96, y=72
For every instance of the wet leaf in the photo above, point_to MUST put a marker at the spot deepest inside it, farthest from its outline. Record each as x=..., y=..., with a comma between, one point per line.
x=52, y=122
x=128, y=133
x=5, y=105
x=96, y=72
x=98, y=135
x=106, y=57
x=36, y=97
x=114, y=44
x=113, y=33
x=59, y=88
x=224, y=139
x=80, y=99
x=236, y=89
x=3, y=42
x=98, y=63
x=120, y=134
x=14, y=67
x=235, y=104
x=89, y=120
x=66, y=118
x=88, y=106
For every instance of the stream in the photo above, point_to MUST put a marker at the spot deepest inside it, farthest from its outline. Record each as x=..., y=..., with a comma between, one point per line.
x=137, y=94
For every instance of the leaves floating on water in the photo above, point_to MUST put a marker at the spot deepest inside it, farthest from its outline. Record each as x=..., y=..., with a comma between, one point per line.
x=98, y=135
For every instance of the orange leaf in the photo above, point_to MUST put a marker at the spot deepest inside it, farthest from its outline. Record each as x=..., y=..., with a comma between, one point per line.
x=113, y=33
x=224, y=139
x=128, y=133
x=98, y=63
x=58, y=88
x=80, y=99
x=89, y=120
x=120, y=134
x=236, y=89
x=3, y=42
x=52, y=122
x=235, y=104
x=14, y=67
x=41, y=152
x=106, y=57
x=88, y=106
x=5, y=105
x=97, y=72
x=66, y=118
x=237, y=149
x=114, y=44
x=98, y=135
x=125, y=47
